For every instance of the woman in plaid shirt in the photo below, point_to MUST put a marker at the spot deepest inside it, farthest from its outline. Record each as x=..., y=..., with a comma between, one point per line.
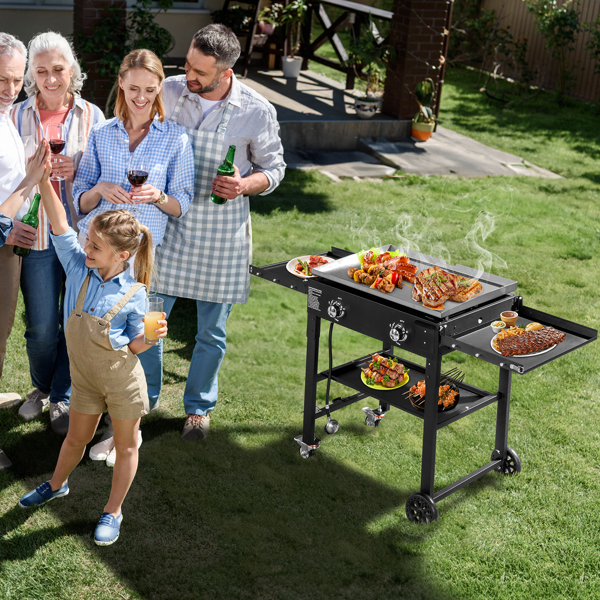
x=138, y=132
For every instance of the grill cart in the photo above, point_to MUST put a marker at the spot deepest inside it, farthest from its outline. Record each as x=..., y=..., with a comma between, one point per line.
x=400, y=324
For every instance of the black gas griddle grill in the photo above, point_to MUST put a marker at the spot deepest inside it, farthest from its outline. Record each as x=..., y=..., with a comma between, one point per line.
x=403, y=324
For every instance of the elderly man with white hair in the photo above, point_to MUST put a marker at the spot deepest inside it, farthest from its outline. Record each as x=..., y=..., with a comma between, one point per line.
x=16, y=183
x=53, y=81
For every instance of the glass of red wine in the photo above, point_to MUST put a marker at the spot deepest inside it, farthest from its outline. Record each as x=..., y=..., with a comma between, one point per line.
x=137, y=172
x=57, y=139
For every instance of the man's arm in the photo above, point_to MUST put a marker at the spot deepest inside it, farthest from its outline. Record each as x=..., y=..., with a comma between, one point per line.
x=35, y=170
x=23, y=235
x=266, y=155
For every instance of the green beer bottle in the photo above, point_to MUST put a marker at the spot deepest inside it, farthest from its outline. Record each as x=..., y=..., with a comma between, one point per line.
x=225, y=169
x=32, y=220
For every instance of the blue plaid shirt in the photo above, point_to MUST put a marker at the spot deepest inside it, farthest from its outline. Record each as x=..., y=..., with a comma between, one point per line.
x=169, y=158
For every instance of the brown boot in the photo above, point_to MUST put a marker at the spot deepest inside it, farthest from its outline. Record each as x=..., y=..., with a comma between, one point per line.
x=195, y=428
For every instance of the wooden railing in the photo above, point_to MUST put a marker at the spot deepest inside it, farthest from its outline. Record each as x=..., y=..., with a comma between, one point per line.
x=354, y=15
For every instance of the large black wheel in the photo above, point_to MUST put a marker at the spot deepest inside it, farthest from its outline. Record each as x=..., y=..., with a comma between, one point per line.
x=511, y=463
x=420, y=508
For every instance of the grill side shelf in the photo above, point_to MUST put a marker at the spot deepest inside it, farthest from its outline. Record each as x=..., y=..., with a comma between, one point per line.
x=478, y=343
x=278, y=273
x=471, y=398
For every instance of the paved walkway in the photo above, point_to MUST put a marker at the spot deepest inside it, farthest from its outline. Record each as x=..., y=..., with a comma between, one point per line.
x=314, y=98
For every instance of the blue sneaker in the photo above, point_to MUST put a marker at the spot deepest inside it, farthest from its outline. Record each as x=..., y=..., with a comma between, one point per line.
x=107, y=530
x=42, y=494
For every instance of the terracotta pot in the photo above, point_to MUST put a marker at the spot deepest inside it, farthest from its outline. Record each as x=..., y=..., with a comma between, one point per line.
x=421, y=132
x=291, y=66
x=263, y=28
x=365, y=108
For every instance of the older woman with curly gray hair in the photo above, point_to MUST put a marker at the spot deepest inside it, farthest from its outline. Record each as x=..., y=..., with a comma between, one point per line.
x=53, y=82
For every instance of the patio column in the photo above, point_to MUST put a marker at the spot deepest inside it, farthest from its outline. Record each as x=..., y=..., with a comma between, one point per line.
x=86, y=15
x=419, y=34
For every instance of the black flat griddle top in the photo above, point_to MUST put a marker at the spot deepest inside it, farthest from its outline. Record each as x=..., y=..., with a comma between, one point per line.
x=493, y=285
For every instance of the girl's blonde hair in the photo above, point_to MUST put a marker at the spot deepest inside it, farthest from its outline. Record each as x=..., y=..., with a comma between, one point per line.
x=121, y=231
x=141, y=59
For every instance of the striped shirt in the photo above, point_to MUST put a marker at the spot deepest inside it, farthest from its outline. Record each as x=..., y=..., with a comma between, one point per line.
x=168, y=156
x=80, y=120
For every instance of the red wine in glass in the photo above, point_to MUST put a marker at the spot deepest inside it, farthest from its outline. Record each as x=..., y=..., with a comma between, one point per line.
x=57, y=146
x=137, y=177
x=57, y=139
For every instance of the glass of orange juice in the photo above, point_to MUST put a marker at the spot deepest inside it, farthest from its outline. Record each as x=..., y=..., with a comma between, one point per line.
x=154, y=313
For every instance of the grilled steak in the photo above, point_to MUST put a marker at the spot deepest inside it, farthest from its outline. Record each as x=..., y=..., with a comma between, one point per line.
x=530, y=342
x=436, y=286
x=467, y=289
x=416, y=293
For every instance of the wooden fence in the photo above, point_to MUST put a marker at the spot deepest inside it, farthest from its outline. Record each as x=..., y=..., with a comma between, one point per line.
x=521, y=24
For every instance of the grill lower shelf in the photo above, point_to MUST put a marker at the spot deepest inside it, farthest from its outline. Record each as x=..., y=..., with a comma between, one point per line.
x=471, y=398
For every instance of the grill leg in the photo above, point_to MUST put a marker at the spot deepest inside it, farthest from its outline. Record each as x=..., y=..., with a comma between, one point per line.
x=313, y=332
x=432, y=384
x=502, y=413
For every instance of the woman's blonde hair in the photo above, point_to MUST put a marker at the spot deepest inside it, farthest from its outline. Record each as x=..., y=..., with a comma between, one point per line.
x=45, y=42
x=121, y=231
x=141, y=59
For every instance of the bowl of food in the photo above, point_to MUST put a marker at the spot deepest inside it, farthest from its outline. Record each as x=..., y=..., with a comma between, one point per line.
x=498, y=326
x=509, y=317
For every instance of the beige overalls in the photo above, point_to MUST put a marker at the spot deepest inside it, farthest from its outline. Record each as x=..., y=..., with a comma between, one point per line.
x=102, y=377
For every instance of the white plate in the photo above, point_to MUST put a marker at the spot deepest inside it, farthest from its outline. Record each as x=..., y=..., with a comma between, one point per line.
x=292, y=264
x=520, y=355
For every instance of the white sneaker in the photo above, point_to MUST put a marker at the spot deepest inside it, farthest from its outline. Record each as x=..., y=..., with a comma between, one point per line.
x=112, y=457
x=35, y=404
x=8, y=400
x=101, y=450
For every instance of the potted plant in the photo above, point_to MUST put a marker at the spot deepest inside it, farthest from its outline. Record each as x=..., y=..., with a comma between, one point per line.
x=268, y=19
x=369, y=56
x=291, y=17
x=424, y=121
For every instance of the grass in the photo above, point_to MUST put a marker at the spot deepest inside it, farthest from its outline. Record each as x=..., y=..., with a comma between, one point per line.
x=242, y=516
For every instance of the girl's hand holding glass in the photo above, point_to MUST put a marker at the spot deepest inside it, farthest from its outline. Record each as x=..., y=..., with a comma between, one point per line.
x=158, y=333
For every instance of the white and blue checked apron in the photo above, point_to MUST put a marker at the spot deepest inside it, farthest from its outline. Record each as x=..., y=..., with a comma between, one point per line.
x=206, y=254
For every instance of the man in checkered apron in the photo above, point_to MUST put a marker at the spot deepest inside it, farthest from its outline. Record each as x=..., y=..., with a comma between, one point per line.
x=205, y=256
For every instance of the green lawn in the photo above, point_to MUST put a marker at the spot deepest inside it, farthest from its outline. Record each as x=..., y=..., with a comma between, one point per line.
x=243, y=516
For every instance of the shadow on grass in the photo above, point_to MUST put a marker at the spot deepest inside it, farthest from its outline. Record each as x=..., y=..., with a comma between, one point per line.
x=293, y=194
x=221, y=519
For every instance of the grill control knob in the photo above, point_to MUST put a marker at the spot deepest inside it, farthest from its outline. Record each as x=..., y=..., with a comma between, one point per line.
x=398, y=333
x=336, y=309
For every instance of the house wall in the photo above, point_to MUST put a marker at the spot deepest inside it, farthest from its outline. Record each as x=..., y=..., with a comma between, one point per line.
x=27, y=22
x=521, y=24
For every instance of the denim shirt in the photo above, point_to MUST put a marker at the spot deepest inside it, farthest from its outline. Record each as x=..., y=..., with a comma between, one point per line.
x=101, y=295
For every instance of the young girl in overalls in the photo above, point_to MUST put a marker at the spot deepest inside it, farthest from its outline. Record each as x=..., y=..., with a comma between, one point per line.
x=104, y=310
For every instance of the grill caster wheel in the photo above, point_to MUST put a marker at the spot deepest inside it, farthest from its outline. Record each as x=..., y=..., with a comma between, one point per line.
x=511, y=463
x=332, y=427
x=371, y=422
x=420, y=508
x=304, y=453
